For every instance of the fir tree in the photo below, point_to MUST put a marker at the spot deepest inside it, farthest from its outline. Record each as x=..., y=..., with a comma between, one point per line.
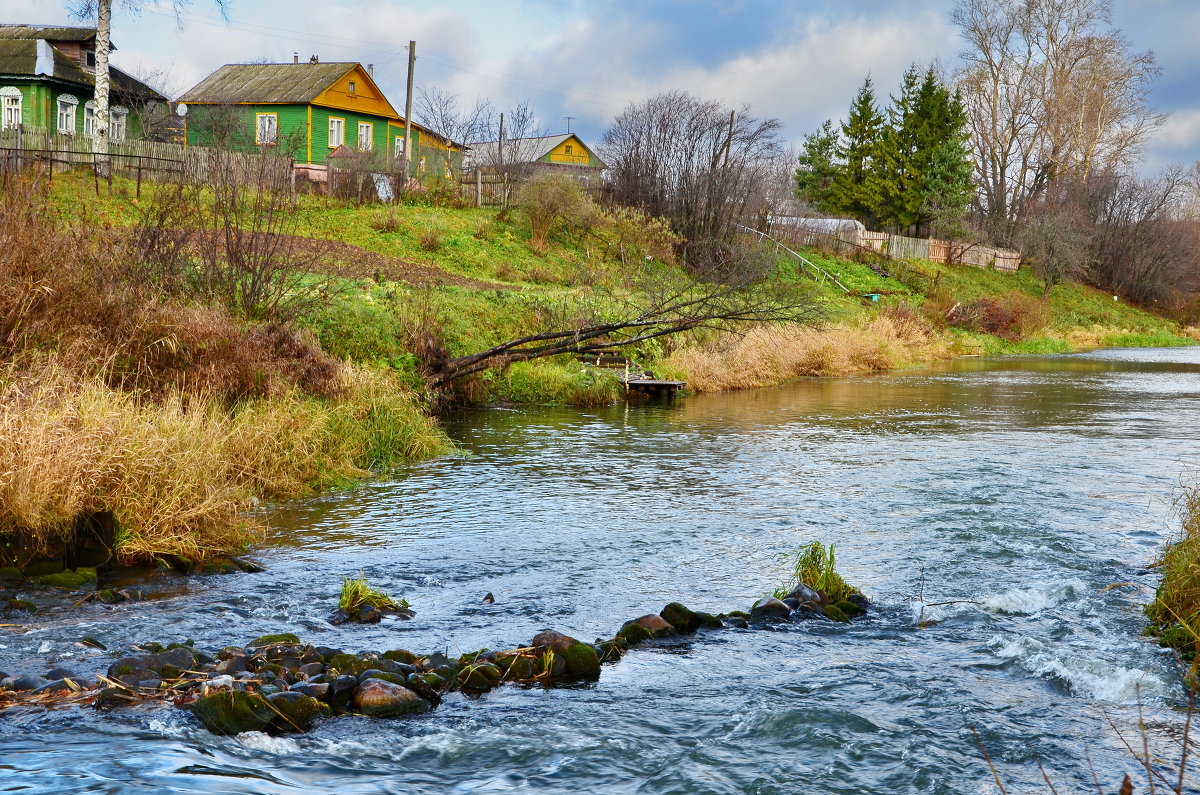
x=855, y=189
x=818, y=168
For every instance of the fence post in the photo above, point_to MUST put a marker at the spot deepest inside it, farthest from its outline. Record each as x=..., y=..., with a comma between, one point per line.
x=478, y=188
x=139, y=178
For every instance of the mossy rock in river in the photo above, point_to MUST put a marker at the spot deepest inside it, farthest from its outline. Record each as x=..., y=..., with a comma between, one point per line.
x=633, y=633
x=680, y=617
x=382, y=699
x=268, y=640
x=39, y=567
x=296, y=711
x=478, y=677
x=10, y=574
x=849, y=608
x=233, y=712
x=612, y=650
x=834, y=613
x=583, y=661
x=708, y=620
x=518, y=667
x=78, y=580
x=401, y=656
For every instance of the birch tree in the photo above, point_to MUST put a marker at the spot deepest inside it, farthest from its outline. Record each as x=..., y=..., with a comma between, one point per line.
x=101, y=11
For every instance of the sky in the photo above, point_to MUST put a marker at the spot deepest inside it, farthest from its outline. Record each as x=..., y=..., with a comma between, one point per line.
x=800, y=61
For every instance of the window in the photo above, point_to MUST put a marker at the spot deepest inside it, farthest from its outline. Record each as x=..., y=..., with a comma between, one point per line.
x=117, y=126
x=366, y=136
x=351, y=86
x=569, y=149
x=399, y=150
x=89, y=118
x=91, y=58
x=10, y=103
x=267, y=131
x=67, y=105
x=337, y=132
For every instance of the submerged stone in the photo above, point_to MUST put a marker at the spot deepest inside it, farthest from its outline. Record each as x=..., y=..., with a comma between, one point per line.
x=77, y=580
x=22, y=604
x=10, y=574
x=380, y=699
x=848, y=608
x=38, y=568
x=860, y=601
x=658, y=626
x=633, y=633
x=233, y=712
x=834, y=613
x=478, y=677
x=708, y=620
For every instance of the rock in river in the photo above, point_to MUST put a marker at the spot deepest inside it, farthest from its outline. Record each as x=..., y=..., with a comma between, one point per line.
x=233, y=712
x=382, y=699
x=770, y=607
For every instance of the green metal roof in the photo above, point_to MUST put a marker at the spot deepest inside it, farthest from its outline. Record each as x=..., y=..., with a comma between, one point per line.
x=266, y=83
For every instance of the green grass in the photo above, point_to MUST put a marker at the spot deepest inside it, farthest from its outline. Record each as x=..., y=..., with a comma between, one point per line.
x=815, y=565
x=357, y=594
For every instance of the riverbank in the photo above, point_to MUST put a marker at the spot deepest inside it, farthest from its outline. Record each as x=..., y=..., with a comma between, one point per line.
x=1175, y=611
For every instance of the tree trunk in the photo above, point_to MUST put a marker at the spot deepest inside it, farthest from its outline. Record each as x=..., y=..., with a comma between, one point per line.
x=103, y=30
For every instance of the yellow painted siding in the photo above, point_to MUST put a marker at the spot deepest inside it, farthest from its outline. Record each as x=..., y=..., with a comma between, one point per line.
x=361, y=97
x=570, y=151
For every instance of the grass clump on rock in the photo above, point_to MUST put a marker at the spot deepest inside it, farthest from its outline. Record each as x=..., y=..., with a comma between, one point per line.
x=1175, y=611
x=357, y=594
x=814, y=565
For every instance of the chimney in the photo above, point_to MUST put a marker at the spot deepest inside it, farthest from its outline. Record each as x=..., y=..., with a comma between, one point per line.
x=295, y=57
x=371, y=70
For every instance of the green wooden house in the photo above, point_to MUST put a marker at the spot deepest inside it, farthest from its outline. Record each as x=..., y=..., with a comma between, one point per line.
x=311, y=111
x=48, y=78
x=561, y=154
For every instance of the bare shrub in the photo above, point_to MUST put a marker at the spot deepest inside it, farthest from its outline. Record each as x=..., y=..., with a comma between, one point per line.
x=387, y=221
x=1013, y=317
x=431, y=240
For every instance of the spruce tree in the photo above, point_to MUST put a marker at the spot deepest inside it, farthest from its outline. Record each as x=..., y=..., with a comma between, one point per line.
x=897, y=172
x=855, y=189
x=818, y=168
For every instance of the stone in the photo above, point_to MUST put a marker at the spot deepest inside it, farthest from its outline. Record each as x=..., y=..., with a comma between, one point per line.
x=24, y=682
x=218, y=567
x=311, y=655
x=378, y=698
x=770, y=607
x=791, y=603
x=22, y=604
x=111, y=697
x=518, y=667
x=268, y=640
x=317, y=690
x=368, y=615
x=10, y=574
x=400, y=656
x=341, y=690
x=233, y=665
x=63, y=673
x=387, y=676
x=248, y=566
x=338, y=616
x=680, y=617
x=735, y=622
x=803, y=593
x=833, y=613
x=659, y=627
x=77, y=580
x=708, y=620
x=219, y=682
x=311, y=669
x=848, y=608
x=478, y=677
x=326, y=652
x=53, y=686
x=297, y=711
x=612, y=650
x=233, y=712
x=428, y=686
x=583, y=661
x=860, y=601
x=633, y=633
x=554, y=641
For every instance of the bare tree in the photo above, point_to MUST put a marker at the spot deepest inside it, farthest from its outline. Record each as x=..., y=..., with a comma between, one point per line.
x=695, y=162
x=510, y=148
x=102, y=11
x=1050, y=92
x=441, y=112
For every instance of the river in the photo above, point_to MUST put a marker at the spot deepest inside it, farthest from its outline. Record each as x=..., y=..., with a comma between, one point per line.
x=1015, y=490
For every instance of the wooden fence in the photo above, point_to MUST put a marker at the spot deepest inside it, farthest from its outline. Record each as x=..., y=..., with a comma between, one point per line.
x=848, y=239
x=24, y=147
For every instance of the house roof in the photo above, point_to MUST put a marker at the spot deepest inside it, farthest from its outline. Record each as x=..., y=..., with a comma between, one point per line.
x=49, y=32
x=266, y=83
x=20, y=57
x=528, y=149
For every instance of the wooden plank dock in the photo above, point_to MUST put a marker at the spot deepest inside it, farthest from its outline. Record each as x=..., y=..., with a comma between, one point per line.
x=653, y=387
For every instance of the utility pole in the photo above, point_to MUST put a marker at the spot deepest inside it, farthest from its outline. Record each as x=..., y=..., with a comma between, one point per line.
x=412, y=62
x=569, y=119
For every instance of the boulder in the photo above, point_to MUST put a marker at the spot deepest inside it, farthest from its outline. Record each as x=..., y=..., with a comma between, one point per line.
x=633, y=633
x=24, y=682
x=380, y=699
x=312, y=669
x=317, y=690
x=848, y=608
x=400, y=656
x=708, y=620
x=374, y=673
x=338, y=617
x=297, y=711
x=680, y=617
x=770, y=607
x=658, y=626
x=834, y=613
x=553, y=641
x=735, y=622
x=860, y=601
x=612, y=650
x=81, y=579
x=233, y=712
x=341, y=690
x=478, y=677
x=368, y=615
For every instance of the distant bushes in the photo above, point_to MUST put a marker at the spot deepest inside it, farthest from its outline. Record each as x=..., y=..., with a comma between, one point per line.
x=1012, y=317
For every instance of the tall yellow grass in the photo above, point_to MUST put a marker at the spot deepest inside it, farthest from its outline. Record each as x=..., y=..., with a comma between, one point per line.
x=180, y=471
x=771, y=355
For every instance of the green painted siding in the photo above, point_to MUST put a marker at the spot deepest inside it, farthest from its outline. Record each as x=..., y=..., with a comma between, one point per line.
x=39, y=106
x=236, y=126
x=380, y=139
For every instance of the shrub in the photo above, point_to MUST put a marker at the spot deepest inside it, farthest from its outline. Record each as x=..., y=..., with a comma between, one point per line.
x=387, y=221
x=1013, y=317
x=548, y=200
x=431, y=240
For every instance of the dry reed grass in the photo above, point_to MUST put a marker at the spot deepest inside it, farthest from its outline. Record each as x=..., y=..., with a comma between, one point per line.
x=775, y=354
x=179, y=472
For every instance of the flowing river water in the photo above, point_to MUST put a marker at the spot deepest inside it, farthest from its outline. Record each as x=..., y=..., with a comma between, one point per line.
x=1015, y=490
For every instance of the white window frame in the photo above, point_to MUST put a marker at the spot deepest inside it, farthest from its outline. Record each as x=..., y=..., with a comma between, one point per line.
x=352, y=87
x=399, y=146
x=11, y=103
x=340, y=138
x=271, y=130
x=369, y=129
x=67, y=104
x=89, y=118
x=118, y=123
